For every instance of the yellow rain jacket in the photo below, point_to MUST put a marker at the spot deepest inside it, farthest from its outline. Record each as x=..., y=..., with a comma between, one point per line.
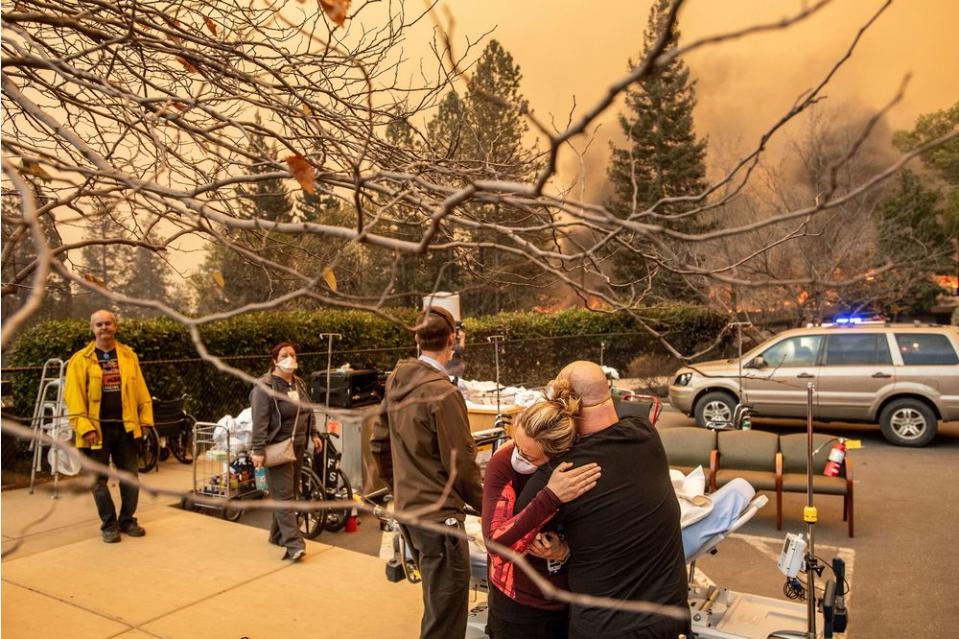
x=84, y=390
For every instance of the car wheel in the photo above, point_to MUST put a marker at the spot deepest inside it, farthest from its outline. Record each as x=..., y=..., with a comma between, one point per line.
x=908, y=422
x=716, y=406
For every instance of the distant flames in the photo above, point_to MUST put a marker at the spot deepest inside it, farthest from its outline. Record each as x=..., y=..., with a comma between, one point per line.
x=948, y=282
x=593, y=303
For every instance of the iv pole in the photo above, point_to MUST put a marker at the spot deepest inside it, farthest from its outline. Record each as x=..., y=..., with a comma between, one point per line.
x=329, y=362
x=496, y=340
x=810, y=516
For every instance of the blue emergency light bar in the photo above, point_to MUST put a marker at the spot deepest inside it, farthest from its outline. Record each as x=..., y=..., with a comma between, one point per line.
x=852, y=319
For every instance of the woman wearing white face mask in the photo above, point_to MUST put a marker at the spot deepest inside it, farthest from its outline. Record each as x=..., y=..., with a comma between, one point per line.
x=275, y=419
x=517, y=608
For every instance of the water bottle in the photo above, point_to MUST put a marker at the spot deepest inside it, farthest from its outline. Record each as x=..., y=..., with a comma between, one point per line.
x=260, y=476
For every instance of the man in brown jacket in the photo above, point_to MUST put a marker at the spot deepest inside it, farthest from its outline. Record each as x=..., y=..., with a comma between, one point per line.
x=422, y=422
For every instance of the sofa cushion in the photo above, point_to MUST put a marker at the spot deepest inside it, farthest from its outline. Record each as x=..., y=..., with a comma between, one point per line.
x=793, y=448
x=758, y=479
x=748, y=450
x=796, y=483
x=688, y=446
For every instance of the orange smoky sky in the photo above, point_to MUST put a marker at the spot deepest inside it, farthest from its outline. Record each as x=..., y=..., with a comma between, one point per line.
x=573, y=50
x=570, y=52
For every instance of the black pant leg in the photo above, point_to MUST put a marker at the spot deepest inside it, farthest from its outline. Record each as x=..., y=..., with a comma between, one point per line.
x=553, y=627
x=101, y=492
x=125, y=453
x=283, y=481
x=445, y=569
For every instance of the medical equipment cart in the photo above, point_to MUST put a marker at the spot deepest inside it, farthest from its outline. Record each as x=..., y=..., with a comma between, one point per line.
x=220, y=472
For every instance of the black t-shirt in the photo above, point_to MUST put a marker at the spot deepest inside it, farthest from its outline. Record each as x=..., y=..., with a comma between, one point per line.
x=624, y=535
x=111, y=403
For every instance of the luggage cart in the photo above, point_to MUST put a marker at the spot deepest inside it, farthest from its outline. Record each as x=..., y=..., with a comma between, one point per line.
x=219, y=472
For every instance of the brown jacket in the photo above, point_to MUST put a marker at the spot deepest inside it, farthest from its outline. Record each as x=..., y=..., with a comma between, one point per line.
x=422, y=421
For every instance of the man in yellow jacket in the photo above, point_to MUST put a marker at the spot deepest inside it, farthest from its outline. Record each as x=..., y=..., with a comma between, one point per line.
x=109, y=406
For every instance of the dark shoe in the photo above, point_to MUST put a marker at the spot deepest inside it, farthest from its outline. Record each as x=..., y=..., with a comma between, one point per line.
x=134, y=530
x=294, y=555
x=110, y=535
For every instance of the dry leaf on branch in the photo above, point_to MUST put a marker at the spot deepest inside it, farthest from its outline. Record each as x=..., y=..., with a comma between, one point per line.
x=218, y=278
x=29, y=167
x=210, y=24
x=189, y=66
x=303, y=172
x=336, y=10
x=94, y=280
x=330, y=278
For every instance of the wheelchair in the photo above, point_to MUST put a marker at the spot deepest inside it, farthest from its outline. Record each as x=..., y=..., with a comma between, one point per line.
x=321, y=479
x=172, y=433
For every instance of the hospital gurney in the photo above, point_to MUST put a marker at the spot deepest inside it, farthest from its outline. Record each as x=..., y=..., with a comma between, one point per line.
x=716, y=612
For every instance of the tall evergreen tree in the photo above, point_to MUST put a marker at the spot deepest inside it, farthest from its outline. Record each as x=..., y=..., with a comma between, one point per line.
x=663, y=156
x=19, y=253
x=311, y=254
x=107, y=265
x=244, y=279
x=483, y=131
x=409, y=275
x=147, y=278
x=495, y=110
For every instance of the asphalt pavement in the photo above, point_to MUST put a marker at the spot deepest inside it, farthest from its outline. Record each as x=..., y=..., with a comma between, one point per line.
x=903, y=555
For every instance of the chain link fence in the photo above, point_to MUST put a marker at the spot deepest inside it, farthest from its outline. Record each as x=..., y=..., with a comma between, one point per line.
x=211, y=393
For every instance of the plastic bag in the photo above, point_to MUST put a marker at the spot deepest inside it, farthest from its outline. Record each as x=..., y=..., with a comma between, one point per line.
x=64, y=461
x=238, y=429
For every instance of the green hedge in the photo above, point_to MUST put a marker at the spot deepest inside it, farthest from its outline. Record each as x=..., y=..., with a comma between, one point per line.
x=537, y=346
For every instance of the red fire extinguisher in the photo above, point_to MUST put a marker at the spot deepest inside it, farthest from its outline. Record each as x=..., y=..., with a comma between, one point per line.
x=836, y=455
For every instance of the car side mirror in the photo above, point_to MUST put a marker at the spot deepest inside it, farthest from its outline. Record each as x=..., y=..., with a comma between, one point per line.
x=757, y=362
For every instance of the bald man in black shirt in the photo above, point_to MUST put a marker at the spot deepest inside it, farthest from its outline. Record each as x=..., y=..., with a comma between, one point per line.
x=624, y=535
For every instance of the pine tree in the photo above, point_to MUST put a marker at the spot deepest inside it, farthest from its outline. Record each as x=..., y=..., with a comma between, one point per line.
x=483, y=132
x=246, y=280
x=310, y=254
x=19, y=253
x=147, y=278
x=106, y=265
x=662, y=157
x=495, y=109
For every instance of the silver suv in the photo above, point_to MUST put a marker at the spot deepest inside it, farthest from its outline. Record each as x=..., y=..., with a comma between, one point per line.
x=904, y=376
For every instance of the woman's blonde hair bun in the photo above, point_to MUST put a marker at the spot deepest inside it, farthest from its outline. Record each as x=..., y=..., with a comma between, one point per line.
x=560, y=391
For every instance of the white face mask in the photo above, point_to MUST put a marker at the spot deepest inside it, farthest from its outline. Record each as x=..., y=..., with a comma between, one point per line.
x=521, y=464
x=287, y=364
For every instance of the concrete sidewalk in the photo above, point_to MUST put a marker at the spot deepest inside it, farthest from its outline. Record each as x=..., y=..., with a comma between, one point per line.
x=193, y=575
